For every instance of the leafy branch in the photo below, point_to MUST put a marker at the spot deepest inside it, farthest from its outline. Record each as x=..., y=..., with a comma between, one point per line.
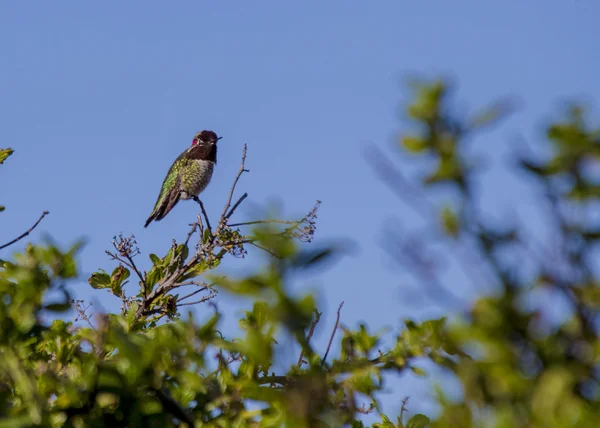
x=179, y=268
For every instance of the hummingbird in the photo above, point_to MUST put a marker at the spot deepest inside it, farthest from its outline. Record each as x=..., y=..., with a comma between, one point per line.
x=188, y=176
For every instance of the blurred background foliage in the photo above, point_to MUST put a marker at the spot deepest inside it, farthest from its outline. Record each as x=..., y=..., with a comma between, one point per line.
x=517, y=362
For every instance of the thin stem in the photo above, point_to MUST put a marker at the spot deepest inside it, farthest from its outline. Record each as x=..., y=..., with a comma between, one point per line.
x=337, y=322
x=193, y=293
x=310, y=334
x=237, y=204
x=193, y=229
x=403, y=408
x=230, y=197
x=197, y=199
x=81, y=312
x=246, y=223
x=260, y=247
x=44, y=214
x=140, y=276
x=202, y=300
x=119, y=259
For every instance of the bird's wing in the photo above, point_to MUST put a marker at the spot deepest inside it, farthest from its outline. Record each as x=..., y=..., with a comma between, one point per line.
x=170, y=192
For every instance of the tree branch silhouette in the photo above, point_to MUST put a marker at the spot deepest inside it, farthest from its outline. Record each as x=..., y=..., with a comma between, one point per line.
x=27, y=232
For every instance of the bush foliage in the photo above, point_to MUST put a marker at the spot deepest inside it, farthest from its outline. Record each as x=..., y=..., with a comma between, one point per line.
x=518, y=362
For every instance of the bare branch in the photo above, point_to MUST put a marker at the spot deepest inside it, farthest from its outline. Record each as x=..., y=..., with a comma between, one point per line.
x=260, y=247
x=310, y=334
x=119, y=259
x=335, y=327
x=193, y=293
x=234, y=207
x=202, y=300
x=247, y=223
x=237, y=178
x=193, y=229
x=403, y=408
x=140, y=276
x=82, y=312
x=197, y=199
x=44, y=214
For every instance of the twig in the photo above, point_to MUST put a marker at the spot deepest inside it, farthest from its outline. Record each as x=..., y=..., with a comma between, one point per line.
x=260, y=247
x=44, y=214
x=119, y=259
x=192, y=230
x=193, y=293
x=310, y=334
x=230, y=197
x=403, y=408
x=234, y=207
x=364, y=410
x=81, y=312
x=202, y=300
x=199, y=284
x=246, y=223
x=140, y=276
x=337, y=321
x=197, y=199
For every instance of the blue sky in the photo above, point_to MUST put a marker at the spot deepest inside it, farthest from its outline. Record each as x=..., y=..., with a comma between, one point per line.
x=98, y=99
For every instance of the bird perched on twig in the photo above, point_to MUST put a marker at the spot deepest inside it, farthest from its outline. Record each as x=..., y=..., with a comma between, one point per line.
x=188, y=176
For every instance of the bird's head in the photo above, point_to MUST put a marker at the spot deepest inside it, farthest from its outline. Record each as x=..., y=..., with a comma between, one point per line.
x=205, y=137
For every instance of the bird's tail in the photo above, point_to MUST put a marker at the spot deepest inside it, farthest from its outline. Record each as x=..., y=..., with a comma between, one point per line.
x=163, y=207
x=152, y=217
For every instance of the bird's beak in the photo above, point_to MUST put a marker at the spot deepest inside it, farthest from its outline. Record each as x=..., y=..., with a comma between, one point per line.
x=218, y=138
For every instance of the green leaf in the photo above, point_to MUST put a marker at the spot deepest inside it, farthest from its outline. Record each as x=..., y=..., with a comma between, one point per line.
x=195, y=271
x=306, y=259
x=537, y=169
x=4, y=154
x=99, y=280
x=418, y=421
x=155, y=259
x=153, y=277
x=250, y=286
x=58, y=307
x=448, y=170
x=418, y=371
x=385, y=423
x=415, y=144
x=117, y=278
x=119, y=274
x=450, y=222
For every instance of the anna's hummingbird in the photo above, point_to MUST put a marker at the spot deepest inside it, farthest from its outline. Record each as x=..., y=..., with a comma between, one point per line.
x=188, y=176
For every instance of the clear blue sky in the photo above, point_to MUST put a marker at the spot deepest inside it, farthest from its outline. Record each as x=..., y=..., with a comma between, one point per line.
x=97, y=99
